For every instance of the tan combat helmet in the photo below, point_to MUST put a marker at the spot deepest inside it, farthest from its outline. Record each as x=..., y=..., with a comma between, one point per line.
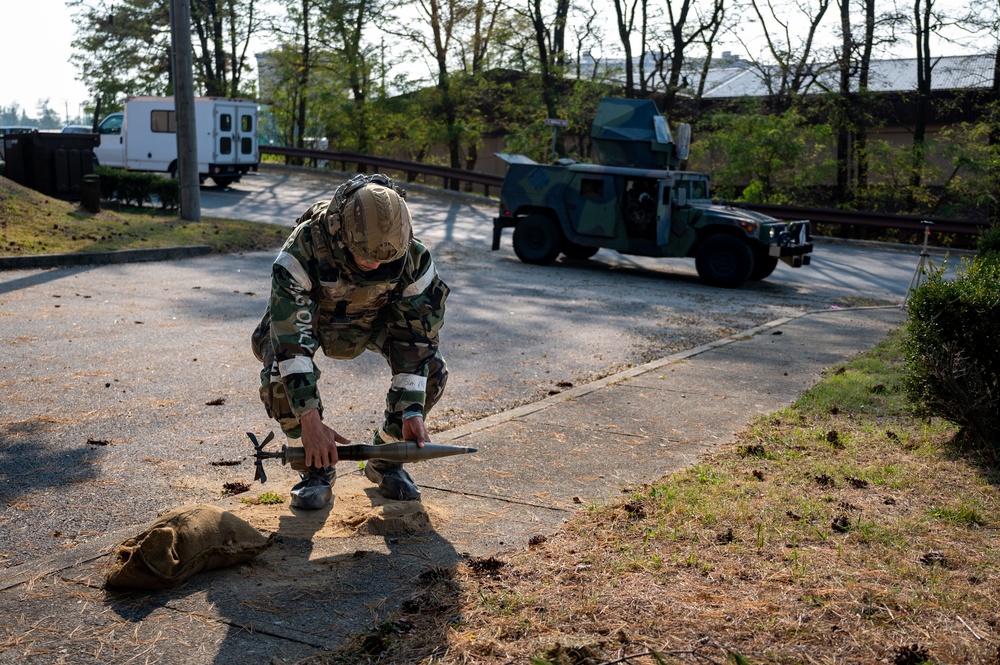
x=374, y=219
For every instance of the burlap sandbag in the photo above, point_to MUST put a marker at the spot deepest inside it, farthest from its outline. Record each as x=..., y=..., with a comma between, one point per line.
x=183, y=542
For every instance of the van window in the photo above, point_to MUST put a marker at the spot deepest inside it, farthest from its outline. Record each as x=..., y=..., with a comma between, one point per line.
x=163, y=121
x=246, y=123
x=246, y=146
x=225, y=122
x=112, y=124
x=225, y=145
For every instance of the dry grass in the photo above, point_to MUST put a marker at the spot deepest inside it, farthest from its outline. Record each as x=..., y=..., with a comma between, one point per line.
x=838, y=531
x=32, y=223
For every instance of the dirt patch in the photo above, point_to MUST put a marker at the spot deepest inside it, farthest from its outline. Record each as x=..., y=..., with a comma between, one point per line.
x=351, y=515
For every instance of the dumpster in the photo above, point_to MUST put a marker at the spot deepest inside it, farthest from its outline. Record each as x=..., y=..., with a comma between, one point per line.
x=53, y=164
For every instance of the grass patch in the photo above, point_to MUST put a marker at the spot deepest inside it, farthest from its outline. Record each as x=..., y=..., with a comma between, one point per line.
x=268, y=498
x=839, y=530
x=32, y=223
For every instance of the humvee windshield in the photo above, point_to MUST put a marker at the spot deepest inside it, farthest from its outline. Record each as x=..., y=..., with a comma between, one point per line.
x=697, y=189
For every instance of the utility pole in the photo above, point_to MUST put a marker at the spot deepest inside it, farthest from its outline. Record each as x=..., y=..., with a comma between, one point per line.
x=187, y=147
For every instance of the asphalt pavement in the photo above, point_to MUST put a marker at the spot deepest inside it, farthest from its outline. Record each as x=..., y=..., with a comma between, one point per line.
x=126, y=387
x=340, y=571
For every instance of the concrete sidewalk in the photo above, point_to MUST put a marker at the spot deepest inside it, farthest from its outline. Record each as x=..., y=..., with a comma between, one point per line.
x=343, y=570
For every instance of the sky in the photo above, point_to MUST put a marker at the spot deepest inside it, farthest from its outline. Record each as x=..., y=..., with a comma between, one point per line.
x=35, y=50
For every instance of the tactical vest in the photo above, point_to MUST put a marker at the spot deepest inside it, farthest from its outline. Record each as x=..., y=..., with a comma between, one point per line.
x=351, y=303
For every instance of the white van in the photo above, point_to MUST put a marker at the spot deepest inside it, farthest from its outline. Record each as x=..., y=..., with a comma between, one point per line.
x=143, y=137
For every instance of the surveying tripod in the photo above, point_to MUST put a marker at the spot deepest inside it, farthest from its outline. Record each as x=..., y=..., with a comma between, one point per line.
x=922, y=264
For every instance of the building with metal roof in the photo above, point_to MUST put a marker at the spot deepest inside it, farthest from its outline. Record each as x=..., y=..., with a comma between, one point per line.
x=736, y=78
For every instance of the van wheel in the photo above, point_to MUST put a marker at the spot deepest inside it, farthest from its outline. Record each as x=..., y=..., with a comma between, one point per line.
x=763, y=266
x=224, y=181
x=537, y=240
x=172, y=170
x=578, y=252
x=724, y=260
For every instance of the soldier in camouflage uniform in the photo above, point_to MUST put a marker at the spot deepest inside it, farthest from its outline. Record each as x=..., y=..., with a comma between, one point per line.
x=352, y=277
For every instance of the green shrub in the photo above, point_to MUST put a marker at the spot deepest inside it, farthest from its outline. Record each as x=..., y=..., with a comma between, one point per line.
x=134, y=188
x=989, y=243
x=168, y=192
x=109, y=181
x=951, y=350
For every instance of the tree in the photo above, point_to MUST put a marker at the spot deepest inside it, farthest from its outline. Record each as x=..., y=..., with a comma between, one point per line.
x=223, y=28
x=586, y=32
x=289, y=72
x=122, y=47
x=795, y=63
x=457, y=37
x=755, y=155
x=852, y=114
x=15, y=115
x=550, y=41
x=479, y=89
x=984, y=19
x=625, y=16
x=47, y=117
x=683, y=32
x=348, y=58
x=434, y=35
x=925, y=22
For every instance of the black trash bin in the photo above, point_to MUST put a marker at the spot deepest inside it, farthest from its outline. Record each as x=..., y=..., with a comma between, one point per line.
x=50, y=163
x=90, y=194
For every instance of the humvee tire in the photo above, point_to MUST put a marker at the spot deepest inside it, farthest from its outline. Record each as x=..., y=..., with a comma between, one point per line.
x=537, y=240
x=724, y=260
x=763, y=266
x=579, y=252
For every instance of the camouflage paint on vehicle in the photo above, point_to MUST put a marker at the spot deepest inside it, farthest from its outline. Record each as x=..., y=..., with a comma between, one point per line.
x=636, y=202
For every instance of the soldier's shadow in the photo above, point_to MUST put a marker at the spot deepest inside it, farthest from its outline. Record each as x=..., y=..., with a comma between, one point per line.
x=352, y=593
x=330, y=582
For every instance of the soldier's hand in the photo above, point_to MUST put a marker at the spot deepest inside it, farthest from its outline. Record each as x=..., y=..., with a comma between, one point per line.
x=319, y=440
x=414, y=430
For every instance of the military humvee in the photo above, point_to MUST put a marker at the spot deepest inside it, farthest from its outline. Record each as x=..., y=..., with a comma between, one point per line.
x=636, y=202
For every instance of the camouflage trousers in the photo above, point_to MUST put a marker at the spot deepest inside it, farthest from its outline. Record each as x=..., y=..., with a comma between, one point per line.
x=272, y=391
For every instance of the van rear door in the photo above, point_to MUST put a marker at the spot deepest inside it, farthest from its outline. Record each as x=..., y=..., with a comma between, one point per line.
x=235, y=133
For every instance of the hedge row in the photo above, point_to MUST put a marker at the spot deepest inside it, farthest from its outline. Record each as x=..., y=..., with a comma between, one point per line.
x=135, y=188
x=952, y=338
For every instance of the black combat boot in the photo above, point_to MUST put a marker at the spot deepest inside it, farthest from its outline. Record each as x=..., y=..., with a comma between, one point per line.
x=393, y=482
x=315, y=490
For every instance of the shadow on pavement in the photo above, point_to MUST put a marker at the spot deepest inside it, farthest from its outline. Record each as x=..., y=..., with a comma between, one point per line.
x=304, y=596
x=43, y=277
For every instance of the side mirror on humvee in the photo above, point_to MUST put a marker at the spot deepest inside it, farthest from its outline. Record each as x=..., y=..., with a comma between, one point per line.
x=680, y=197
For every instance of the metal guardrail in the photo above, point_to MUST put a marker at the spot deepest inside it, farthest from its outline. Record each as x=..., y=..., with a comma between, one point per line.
x=877, y=220
x=451, y=179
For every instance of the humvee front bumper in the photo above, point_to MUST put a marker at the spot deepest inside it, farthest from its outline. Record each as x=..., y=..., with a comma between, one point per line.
x=792, y=243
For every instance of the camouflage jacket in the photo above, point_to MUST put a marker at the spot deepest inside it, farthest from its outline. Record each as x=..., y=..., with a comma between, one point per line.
x=320, y=298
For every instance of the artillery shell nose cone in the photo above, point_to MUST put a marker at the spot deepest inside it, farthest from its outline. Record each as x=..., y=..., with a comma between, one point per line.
x=400, y=451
